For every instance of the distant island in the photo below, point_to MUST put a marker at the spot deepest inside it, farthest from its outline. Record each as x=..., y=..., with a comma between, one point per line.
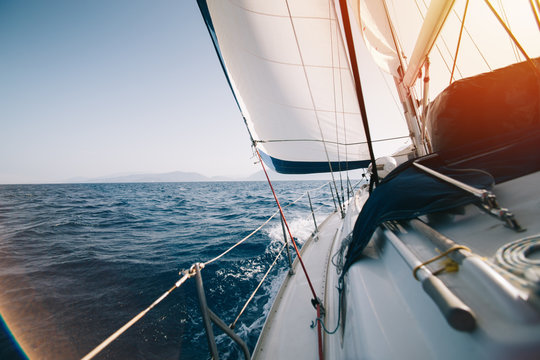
x=180, y=176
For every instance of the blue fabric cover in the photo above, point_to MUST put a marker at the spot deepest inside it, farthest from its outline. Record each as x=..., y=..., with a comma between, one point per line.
x=408, y=192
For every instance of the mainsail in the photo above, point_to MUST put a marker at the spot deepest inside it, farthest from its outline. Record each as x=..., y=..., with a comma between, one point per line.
x=289, y=71
x=407, y=32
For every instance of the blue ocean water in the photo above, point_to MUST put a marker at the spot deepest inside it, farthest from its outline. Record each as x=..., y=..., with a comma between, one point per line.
x=80, y=260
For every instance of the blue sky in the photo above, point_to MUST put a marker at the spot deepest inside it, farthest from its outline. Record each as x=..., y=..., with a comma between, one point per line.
x=95, y=88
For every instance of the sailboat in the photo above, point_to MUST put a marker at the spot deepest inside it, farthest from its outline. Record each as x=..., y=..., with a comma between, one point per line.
x=436, y=256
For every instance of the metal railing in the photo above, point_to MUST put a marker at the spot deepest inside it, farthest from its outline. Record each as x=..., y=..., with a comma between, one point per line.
x=207, y=314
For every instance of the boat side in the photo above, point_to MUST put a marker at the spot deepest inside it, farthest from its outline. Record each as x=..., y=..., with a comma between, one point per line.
x=287, y=332
x=388, y=314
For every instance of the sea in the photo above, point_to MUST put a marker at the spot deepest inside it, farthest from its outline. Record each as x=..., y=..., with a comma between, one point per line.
x=78, y=261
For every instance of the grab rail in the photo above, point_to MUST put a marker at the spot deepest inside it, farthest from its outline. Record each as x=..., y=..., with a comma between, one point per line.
x=457, y=314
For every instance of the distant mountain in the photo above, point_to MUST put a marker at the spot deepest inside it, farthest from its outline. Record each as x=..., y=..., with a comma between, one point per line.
x=175, y=176
x=180, y=176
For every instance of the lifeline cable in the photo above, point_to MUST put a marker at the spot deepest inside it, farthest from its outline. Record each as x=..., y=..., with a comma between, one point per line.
x=233, y=324
x=130, y=323
x=191, y=273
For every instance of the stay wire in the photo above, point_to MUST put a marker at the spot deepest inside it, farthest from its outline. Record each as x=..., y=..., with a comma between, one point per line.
x=459, y=41
x=312, y=99
x=315, y=301
x=335, y=101
x=259, y=228
x=189, y=274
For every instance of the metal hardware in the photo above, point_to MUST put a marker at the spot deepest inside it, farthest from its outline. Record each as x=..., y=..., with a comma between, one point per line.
x=316, y=232
x=487, y=198
x=333, y=198
x=208, y=315
x=286, y=239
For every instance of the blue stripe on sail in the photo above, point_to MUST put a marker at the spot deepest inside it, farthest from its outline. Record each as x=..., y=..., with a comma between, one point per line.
x=310, y=167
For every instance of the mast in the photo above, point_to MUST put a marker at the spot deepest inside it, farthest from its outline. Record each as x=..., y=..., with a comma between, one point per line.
x=406, y=95
x=435, y=18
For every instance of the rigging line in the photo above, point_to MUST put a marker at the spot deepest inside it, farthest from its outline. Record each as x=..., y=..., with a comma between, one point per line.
x=233, y=324
x=535, y=11
x=342, y=112
x=358, y=85
x=410, y=96
x=241, y=241
x=437, y=45
x=516, y=54
x=340, y=39
x=334, y=94
x=287, y=226
x=316, y=189
x=311, y=94
x=255, y=231
x=509, y=32
x=459, y=40
x=130, y=323
x=395, y=39
x=396, y=103
x=315, y=301
x=472, y=40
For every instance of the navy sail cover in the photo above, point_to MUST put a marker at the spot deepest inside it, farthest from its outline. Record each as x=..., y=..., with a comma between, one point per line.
x=408, y=192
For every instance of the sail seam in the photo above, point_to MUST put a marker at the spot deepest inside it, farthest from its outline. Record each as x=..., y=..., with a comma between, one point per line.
x=293, y=64
x=312, y=99
x=280, y=16
x=334, y=96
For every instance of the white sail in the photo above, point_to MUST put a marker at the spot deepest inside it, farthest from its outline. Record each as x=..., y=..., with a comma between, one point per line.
x=372, y=19
x=485, y=45
x=289, y=70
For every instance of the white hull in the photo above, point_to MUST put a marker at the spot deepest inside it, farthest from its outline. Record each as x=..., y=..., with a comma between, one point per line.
x=387, y=313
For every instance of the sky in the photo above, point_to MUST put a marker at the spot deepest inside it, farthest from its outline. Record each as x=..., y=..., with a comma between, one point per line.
x=103, y=88
x=98, y=88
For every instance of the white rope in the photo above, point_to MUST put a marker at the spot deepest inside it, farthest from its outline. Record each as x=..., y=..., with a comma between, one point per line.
x=241, y=241
x=120, y=331
x=259, y=228
x=186, y=276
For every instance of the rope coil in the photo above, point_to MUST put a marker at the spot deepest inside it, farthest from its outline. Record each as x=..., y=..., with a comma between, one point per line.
x=516, y=258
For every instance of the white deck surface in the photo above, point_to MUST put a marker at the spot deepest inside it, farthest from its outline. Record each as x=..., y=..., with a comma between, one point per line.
x=287, y=333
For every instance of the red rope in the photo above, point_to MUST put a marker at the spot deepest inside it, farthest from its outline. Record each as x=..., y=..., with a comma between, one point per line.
x=319, y=334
